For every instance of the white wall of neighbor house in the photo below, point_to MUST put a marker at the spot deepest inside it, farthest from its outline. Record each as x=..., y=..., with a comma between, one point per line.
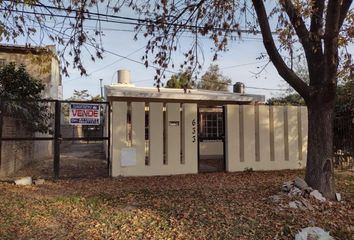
x=172, y=149
x=265, y=137
x=47, y=69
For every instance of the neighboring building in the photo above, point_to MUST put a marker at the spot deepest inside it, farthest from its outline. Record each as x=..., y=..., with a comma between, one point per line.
x=176, y=132
x=43, y=64
x=40, y=62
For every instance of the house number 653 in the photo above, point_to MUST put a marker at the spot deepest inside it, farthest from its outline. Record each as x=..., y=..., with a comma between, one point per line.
x=194, y=131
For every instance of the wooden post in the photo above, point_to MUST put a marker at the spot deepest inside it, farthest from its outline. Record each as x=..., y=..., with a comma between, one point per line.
x=57, y=139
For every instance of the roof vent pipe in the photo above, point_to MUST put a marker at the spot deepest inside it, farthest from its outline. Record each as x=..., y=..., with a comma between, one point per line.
x=123, y=76
x=239, y=87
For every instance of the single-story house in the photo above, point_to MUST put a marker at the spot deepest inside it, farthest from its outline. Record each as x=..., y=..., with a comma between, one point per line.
x=173, y=131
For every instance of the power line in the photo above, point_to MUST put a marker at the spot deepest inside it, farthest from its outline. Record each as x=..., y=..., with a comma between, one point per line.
x=106, y=66
x=70, y=17
x=244, y=64
x=139, y=21
x=121, y=56
x=267, y=89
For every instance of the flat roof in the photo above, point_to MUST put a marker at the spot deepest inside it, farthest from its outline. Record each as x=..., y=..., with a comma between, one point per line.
x=26, y=49
x=130, y=92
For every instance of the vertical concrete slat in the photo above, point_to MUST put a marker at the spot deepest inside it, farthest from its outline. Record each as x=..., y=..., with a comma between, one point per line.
x=257, y=134
x=286, y=133
x=304, y=129
x=279, y=150
x=271, y=127
x=293, y=135
x=156, y=134
x=119, y=128
x=264, y=135
x=173, y=142
x=249, y=133
x=138, y=132
x=232, y=141
x=299, y=133
x=189, y=136
x=241, y=134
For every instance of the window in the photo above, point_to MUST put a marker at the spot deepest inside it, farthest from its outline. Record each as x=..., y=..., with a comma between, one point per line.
x=211, y=124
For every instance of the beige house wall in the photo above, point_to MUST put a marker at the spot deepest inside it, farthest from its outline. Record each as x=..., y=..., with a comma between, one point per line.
x=171, y=151
x=273, y=138
x=256, y=136
x=190, y=136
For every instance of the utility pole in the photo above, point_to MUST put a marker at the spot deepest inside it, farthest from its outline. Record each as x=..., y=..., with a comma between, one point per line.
x=101, y=88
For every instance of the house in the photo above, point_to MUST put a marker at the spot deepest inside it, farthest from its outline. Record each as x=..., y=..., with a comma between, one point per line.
x=173, y=131
x=40, y=62
x=43, y=64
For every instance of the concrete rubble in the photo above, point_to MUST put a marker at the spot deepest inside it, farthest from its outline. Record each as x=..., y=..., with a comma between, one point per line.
x=317, y=195
x=25, y=181
x=300, y=183
x=297, y=194
x=38, y=181
x=313, y=233
x=338, y=197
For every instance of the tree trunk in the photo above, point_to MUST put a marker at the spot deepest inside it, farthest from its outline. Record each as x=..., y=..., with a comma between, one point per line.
x=319, y=169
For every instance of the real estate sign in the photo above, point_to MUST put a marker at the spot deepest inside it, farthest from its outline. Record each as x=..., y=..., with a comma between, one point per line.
x=84, y=114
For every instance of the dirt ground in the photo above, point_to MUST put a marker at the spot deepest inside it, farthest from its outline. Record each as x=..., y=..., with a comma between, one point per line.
x=78, y=160
x=86, y=204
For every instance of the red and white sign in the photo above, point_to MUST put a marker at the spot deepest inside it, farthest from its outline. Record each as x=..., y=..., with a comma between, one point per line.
x=84, y=114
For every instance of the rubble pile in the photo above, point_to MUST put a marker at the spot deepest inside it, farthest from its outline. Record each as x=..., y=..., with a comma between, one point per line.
x=297, y=194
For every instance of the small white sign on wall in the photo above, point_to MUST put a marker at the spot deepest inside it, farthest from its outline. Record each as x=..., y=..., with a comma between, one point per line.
x=128, y=157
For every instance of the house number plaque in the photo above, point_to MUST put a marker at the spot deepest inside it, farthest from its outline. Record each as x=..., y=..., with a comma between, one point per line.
x=194, y=131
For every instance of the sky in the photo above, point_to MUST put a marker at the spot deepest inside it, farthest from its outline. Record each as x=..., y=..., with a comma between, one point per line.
x=238, y=63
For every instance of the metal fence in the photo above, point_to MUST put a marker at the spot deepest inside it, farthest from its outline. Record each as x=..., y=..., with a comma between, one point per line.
x=343, y=141
x=55, y=110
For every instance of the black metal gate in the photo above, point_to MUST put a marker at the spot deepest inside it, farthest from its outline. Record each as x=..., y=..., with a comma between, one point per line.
x=211, y=139
x=343, y=141
x=94, y=133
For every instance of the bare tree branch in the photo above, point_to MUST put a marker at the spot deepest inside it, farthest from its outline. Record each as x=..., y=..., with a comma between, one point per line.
x=298, y=24
x=288, y=75
x=343, y=11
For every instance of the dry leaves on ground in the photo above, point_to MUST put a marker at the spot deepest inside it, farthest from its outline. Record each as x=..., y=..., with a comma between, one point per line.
x=204, y=206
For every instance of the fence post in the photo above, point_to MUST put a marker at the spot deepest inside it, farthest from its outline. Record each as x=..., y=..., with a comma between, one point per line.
x=108, y=106
x=57, y=139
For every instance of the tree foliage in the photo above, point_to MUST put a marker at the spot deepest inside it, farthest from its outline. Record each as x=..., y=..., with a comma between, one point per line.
x=213, y=79
x=180, y=80
x=344, y=104
x=345, y=99
x=20, y=96
x=291, y=99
